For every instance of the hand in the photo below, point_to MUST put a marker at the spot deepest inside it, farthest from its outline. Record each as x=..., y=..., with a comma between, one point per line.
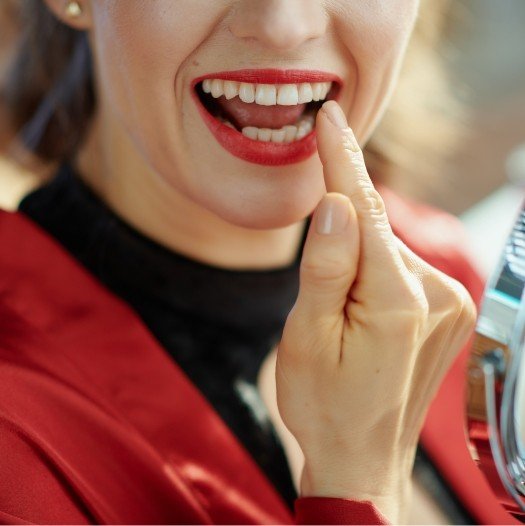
x=368, y=341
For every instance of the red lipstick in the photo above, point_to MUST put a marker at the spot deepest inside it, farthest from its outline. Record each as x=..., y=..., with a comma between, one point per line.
x=255, y=151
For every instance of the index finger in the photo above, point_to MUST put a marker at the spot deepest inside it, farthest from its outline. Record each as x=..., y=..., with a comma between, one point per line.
x=345, y=172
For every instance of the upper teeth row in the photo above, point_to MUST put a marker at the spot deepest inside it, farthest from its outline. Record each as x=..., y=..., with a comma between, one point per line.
x=268, y=94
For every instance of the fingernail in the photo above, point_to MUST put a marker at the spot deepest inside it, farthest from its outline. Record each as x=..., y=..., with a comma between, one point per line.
x=332, y=215
x=335, y=114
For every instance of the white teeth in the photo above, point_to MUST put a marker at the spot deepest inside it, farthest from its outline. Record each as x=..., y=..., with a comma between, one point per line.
x=250, y=132
x=247, y=92
x=217, y=88
x=317, y=89
x=302, y=131
x=305, y=127
x=206, y=85
x=231, y=89
x=288, y=95
x=278, y=135
x=290, y=131
x=268, y=94
x=286, y=134
x=310, y=119
x=305, y=93
x=264, y=134
x=326, y=89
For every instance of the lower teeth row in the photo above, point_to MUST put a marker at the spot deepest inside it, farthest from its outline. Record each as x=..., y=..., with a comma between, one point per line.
x=285, y=134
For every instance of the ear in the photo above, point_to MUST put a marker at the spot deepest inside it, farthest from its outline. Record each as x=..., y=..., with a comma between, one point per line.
x=81, y=22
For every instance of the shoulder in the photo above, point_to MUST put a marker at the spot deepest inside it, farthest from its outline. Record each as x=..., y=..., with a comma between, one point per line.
x=436, y=236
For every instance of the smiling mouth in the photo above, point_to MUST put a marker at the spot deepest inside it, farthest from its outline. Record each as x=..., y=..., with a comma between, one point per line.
x=277, y=113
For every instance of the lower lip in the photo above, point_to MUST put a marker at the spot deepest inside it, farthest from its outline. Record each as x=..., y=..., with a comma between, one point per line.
x=259, y=152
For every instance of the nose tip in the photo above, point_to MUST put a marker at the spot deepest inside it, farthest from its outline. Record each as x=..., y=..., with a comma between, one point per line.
x=279, y=37
x=278, y=24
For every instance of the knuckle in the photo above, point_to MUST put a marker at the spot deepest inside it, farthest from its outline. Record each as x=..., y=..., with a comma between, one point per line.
x=416, y=307
x=421, y=306
x=327, y=271
x=368, y=198
x=455, y=302
x=469, y=312
x=458, y=295
x=410, y=316
x=414, y=297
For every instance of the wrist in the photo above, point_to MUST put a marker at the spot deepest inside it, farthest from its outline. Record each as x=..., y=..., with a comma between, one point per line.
x=387, y=488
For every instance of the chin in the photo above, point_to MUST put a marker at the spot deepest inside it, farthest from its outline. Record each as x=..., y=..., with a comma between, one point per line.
x=266, y=213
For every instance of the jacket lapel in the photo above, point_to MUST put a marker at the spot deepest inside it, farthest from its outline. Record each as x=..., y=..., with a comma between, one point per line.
x=142, y=443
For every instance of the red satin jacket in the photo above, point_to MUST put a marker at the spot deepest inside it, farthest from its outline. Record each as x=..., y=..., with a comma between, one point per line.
x=99, y=425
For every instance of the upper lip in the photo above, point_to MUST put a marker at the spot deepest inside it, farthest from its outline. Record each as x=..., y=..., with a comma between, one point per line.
x=273, y=76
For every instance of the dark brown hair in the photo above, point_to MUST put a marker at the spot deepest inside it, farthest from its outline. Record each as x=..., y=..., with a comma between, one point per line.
x=49, y=87
x=51, y=98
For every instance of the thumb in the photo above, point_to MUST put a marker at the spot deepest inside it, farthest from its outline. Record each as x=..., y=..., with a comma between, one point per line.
x=330, y=259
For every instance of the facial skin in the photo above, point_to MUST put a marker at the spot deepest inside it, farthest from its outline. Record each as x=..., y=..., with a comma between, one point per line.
x=152, y=158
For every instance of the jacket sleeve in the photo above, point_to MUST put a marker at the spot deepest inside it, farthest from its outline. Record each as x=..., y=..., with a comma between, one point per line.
x=30, y=492
x=329, y=510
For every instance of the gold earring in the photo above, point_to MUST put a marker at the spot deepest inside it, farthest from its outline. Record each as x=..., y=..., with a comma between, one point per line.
x=73, y=9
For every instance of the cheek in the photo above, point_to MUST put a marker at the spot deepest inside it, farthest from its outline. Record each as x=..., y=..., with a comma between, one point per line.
x=140, y=47
x=374, y=34
x=376, y=31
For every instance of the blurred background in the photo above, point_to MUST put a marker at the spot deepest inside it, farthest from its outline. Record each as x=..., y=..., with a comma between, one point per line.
x=484, y=52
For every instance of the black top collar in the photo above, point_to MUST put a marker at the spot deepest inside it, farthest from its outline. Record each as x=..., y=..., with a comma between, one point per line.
x=252, y=302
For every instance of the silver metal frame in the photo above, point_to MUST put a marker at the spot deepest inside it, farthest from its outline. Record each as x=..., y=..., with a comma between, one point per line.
x=502, y=321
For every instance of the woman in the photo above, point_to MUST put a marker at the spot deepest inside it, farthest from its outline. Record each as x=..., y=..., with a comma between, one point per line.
x=161, y=265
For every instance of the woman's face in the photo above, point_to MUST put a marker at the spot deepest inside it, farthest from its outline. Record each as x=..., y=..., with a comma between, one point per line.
x=149, y=53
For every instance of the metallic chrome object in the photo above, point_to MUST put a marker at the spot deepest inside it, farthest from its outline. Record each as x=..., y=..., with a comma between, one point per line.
x=496, y=377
